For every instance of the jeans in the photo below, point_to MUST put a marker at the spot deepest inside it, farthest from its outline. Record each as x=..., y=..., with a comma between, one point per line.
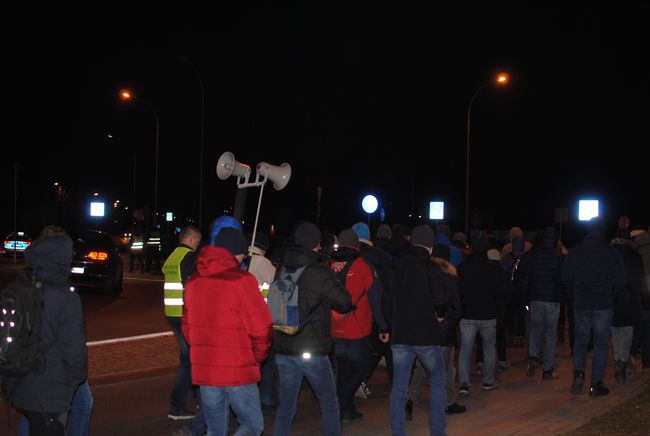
x=622, y=342
x=79, y=419
x=500, y=343
x=319, y=374
x=268, y=393
x=544, y=317
x=431, y=359
x=245, y=403
x=353, y=357
x=183, y=381
x=487, y=329
x=600, y=321
x=420, y=376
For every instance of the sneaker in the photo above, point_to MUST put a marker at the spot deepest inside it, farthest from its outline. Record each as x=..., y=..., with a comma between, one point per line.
x=598, y=390
x=464, y=390
x=179, y=414
x=366, y=389
x=490, y=386
x=361, y=392
x=547, y=374
x=504, y=364
x=578, y=381
x=455, y=408
x=408, y=409
x=353, y=416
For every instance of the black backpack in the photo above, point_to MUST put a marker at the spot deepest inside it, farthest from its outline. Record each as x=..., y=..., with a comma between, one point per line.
x=21, y=305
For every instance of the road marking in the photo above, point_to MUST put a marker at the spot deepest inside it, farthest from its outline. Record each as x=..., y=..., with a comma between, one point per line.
x=144, y=280
x=128, y=339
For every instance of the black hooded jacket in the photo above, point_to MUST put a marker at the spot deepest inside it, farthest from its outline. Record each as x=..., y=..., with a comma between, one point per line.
x=62, y=326
x=541, y=271
x=318, y=290
x=627, y=306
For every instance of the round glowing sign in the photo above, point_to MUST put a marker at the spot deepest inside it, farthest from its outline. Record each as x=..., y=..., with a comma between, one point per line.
x=369, y=203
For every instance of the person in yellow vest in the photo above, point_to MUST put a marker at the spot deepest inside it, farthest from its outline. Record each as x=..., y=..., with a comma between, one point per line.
x=177, y=268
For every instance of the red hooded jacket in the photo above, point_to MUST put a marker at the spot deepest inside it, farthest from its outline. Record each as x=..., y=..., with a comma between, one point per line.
x=225, y=321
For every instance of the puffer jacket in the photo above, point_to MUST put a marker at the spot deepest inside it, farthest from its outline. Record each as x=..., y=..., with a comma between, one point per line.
x=62, y=326
x=225, y=321
x=319, y=291
x=541, y=271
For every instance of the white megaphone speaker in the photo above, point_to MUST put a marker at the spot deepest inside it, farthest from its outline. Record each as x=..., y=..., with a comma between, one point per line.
x=227, y=166
x=279, y=175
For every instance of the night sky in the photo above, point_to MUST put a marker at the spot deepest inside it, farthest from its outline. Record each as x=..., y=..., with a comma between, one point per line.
x=358, y=99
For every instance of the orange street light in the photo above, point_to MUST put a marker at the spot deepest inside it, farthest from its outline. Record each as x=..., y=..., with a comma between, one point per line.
x=501, y=79
x=125, y=94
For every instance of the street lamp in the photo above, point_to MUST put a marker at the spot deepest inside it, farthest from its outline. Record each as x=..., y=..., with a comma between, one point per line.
x=127, y=95
x=500, y=80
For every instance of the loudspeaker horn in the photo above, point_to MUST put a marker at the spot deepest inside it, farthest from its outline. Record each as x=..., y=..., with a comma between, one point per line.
x=227, y=166
x=279, y=175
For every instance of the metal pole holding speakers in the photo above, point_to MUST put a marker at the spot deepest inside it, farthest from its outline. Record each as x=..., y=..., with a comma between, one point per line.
x=227, y=166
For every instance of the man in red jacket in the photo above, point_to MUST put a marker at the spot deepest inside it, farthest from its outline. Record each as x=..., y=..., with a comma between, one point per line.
x=228, y=326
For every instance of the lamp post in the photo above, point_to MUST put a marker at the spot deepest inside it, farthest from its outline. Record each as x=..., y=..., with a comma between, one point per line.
x=501, y=79
x=127, y=95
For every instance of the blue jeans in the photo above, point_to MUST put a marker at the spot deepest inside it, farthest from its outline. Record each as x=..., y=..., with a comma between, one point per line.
x=431, y=359
x=353, y=357
x=544, y=316
x=268, y=393
x=183, y=381
x=488, y=331
x=79, y=419
x=245, y=402
x=600, y=321
x=319, y=374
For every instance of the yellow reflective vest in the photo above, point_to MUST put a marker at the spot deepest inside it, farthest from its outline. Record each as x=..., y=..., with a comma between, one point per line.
x=174, y=282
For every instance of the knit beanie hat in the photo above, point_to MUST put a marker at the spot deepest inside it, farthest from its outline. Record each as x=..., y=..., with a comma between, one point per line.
x=221, y=223
x=459, y=236
x=348, y=238
x=232, y=240
x=362, y=231
x=307, y=235
x=423, y=235
x=384, y=231
x=494, y=254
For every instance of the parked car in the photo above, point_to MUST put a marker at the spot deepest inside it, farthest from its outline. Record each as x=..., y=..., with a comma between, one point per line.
x=96, y=261
x=16, y=242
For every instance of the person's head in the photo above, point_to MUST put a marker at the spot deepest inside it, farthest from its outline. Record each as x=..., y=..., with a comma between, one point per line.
x=362, y=230
x=234, y=241
x=596, y=225
x=220, y=223
x=190, y=236
x=52, y=230
x=307, y=236
x=51, y=253
x=384, y=231
x=348, y=238
x=494, y=254
x=623, y=222
x=423, y=236
x=515, y=231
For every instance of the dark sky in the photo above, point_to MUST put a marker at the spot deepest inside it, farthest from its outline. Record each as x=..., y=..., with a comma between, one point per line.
x=362, y=98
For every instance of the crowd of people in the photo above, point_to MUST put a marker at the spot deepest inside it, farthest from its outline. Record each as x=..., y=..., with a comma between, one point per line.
x=408, y=297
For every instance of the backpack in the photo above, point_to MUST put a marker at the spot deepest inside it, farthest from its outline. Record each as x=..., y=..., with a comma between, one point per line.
x=283, y=302
x=21, y=349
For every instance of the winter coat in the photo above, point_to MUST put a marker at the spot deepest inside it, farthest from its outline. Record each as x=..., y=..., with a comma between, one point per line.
x=627, y=303
x=642, y=242
x=319, y=291
x=226, y=322
x=453, y=315
x=484, y=287
x=62, y=326
x=593, y=271
x=420, y=291
x=540, y=272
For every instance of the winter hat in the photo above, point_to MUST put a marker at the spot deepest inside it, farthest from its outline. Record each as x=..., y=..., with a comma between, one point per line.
x=516, y=231
x=232, y=240
x=442, y=251
x=348, y=238
x=460, y=236
x=307, y=235
x=384, y=231
x=261, y=240
x=423, y=235
x=362, y=231
x=443, y=229
x=221, y=223
x=494, y=254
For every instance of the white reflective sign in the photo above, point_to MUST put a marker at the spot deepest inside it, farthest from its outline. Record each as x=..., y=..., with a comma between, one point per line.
x=96, y=209
x=587, y=209
x=436, y=210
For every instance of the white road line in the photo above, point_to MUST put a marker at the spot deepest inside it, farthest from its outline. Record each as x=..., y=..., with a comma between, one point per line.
x=128, y=339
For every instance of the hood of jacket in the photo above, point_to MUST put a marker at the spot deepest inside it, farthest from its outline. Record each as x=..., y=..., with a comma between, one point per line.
x=296, y=256
x=50, y=258
x=548, y=238
x=594, y=238
x=213, y=260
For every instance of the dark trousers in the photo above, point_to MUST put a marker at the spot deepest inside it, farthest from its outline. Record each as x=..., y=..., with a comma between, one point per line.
x=353, y=358
x=183, y=381
x=45, y=424
x=153, y=260
x=379, y=350
x=133, y=257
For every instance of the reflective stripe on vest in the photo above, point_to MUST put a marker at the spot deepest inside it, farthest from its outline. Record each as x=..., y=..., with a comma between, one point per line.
x=173, y=287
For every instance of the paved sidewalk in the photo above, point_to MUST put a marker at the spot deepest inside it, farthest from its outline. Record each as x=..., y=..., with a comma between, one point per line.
x=521, y=406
